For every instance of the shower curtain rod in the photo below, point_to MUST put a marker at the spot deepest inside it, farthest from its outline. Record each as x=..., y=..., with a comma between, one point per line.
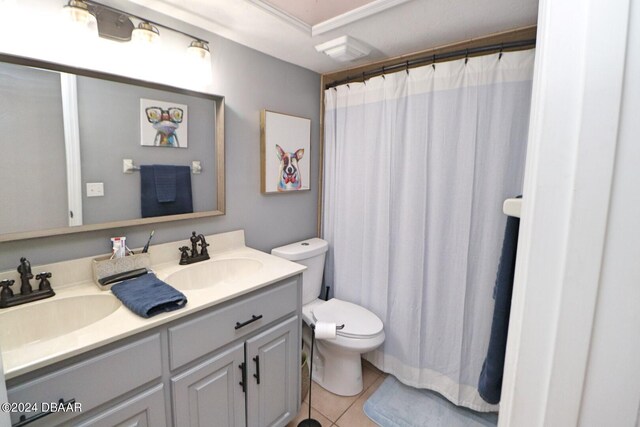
x=431, y=59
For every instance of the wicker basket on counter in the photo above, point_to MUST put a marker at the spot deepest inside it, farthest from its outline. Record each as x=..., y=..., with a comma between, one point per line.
x=105, y=267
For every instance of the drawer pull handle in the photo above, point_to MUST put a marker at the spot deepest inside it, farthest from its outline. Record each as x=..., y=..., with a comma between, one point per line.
x=243, y=383
x=24, y=420
x=253, y=319
x=257, y=374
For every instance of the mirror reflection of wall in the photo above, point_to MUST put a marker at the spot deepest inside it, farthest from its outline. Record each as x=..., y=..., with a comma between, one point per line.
x=62, y=132
x=109, y=117
x=33, y=182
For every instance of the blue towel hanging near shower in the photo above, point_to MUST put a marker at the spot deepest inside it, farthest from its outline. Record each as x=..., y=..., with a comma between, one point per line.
x=165, y=190
x=490, y=382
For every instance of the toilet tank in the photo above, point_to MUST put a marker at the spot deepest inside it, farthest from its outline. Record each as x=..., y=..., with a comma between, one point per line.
x=311, y=253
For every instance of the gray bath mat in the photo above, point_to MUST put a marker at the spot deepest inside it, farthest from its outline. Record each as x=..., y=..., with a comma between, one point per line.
x=396, y=405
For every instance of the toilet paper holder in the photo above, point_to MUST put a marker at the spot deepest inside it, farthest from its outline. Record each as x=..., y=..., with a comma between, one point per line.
x=310, y=422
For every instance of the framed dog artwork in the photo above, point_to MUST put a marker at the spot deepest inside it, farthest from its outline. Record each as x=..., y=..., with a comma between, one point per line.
x=285, y=143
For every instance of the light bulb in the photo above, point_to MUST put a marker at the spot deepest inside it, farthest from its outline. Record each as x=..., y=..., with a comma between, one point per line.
x=199, y=50
x=145, y=33
x=78, y=13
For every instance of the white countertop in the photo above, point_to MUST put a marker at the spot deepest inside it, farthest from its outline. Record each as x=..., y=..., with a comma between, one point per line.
x=123, y=323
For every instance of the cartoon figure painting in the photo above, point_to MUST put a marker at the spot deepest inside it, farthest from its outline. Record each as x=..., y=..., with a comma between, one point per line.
x=285, y=143
x=289, y=174
x=163, y=124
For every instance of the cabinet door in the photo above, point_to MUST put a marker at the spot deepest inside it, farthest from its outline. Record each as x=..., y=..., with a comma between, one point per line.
x=210, y=394
x=143, y=410
x=273, y=375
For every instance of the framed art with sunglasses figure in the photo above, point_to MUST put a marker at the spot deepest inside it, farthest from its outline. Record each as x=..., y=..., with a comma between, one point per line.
x=163, y=124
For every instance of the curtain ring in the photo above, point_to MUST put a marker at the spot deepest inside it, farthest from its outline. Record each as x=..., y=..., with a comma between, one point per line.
x=466, y=56
x=363, y=80
x=501, y=48
x=407, y=69
x=348, y=87
x=433, y=64
x=383, y=77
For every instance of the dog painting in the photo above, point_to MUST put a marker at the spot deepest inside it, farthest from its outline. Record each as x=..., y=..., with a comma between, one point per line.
x=163, y=124
x=289, y=177
x=284, y=145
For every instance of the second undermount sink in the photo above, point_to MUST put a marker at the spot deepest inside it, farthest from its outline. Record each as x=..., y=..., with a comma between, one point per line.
x=210, y=273
x=44, y=320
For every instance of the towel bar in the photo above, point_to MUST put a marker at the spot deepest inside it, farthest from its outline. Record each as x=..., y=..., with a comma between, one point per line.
x=129, y=167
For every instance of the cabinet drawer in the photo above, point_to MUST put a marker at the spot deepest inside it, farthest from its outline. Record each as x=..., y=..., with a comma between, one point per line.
x=204, y=334
x=94, y=381
x=143, y=410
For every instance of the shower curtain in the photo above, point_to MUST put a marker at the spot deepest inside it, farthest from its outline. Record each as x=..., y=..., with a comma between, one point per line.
x=417, y=165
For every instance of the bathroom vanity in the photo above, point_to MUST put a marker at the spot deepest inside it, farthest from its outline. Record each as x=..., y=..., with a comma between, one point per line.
x=229, y=358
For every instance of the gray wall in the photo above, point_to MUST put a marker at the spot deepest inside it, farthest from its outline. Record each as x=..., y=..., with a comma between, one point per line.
x=250, y=81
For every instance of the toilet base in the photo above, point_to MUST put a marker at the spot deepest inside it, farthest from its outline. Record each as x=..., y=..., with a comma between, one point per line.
x=338, y=367
x=341, y=373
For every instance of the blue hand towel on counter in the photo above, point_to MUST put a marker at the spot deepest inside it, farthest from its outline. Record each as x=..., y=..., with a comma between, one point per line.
x=490, y=382
x=147, y=295
x=165, y=180
x=152, y=190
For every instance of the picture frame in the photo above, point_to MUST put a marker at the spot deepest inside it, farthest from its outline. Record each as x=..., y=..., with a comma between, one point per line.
x=285, y=153
x=163, y=124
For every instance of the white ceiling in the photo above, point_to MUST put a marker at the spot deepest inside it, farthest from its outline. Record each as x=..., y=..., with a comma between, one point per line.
x=289, y=29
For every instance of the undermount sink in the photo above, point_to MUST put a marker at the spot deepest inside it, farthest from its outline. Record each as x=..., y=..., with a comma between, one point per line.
x=44, y=320
x=210, y=273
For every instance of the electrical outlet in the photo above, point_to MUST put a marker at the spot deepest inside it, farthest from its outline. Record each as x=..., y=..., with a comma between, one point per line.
x=95, y=189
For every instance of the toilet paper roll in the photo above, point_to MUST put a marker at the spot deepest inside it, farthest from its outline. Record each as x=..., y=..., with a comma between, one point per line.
x=325, y=330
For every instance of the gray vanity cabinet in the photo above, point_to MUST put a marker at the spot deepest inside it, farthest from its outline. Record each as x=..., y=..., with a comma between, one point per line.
x=211, y=391
x=234, y=364
x=123, y=371
x=258, y=377
x=272, y=394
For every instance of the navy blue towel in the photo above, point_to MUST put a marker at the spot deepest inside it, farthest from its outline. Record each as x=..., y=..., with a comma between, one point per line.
x=150, y=199
x=165, y=178
x=147, y=295
x=490, y=383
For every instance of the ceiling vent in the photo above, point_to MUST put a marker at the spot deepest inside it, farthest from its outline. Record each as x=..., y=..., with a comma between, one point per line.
x=344, y=49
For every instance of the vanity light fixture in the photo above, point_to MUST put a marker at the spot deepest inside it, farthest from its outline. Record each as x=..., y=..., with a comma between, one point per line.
x=115, y=24
x=145, y=33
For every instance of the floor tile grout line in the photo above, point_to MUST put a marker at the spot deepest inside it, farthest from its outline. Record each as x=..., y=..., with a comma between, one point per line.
x=378, y=375
x=364, y=390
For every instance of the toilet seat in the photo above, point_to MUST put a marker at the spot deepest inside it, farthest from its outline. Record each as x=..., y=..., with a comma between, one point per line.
x=358, y=322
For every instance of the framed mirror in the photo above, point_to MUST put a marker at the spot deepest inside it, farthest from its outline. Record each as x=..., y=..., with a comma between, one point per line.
x=84, y=150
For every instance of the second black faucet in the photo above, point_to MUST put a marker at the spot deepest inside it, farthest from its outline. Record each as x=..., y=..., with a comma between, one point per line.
x=196, y=239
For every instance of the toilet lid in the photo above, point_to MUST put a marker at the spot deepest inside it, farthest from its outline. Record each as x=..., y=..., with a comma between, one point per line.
x=358, y=321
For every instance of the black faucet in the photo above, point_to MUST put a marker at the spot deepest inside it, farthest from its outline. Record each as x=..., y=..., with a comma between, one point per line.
x=25, y=276
x=194, y=256
x=27, y=294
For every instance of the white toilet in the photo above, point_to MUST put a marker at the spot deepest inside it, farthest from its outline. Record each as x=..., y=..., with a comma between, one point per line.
x=336, y=364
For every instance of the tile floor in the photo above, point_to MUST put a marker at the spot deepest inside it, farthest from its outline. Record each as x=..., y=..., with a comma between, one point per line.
x=339, y=411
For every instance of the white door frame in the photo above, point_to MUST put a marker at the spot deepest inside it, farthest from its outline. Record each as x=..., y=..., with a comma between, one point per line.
x=577, y=92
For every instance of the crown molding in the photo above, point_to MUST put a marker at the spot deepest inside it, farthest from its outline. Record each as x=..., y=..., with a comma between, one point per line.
x=354, y=15
x=278, y=13
x=357, y=14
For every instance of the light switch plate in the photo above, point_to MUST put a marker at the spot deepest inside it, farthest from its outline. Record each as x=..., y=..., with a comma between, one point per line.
x=95, y=189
